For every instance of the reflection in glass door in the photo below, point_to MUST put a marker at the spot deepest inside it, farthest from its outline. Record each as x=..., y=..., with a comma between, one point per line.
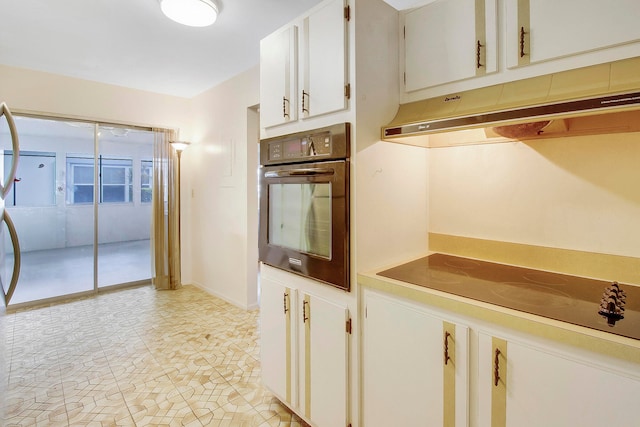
x=54, y=222
x=125, y=167
x=82, y=213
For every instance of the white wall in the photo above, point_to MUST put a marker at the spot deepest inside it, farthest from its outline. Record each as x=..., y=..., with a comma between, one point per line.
x=219, y=192
x=390, y=221
x=579, y=193
x=392, y=214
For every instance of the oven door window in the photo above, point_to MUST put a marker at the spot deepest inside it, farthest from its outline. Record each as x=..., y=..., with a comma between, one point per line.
x=300, y=217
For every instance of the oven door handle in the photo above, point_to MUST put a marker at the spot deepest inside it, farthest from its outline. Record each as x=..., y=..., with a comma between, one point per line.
x=299, y=172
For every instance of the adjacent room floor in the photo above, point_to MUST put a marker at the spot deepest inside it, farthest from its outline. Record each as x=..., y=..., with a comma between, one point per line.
x=135, y=357
x=64, y=271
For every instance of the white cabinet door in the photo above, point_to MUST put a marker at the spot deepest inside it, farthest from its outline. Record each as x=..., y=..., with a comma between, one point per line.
x=553, y=389
x=277, y=358
x=278, y=71
x=304, y=345
x=323, y=70
x=324, y=394
x=441, y=42
x=542, y=30
x=404, y=374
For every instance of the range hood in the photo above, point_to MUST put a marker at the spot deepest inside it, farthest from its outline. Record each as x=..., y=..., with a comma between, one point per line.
x=602, y=98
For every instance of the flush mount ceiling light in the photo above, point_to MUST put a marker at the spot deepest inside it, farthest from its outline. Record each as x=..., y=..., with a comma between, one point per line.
x=194, y=13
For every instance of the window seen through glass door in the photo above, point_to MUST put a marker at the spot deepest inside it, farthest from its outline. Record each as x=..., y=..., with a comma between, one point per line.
x=115, y=180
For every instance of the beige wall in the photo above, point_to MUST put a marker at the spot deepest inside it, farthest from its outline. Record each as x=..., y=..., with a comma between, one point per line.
x=579, y=193
x=219, y=183
x=220, y=192
x=34, y=91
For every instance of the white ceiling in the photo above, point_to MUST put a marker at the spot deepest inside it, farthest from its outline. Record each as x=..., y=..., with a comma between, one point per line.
x=131, y=43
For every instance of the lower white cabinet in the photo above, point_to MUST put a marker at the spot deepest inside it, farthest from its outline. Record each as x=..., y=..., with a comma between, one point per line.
x=415, y=365
x=527, y=384
x=494, y=376
x=304, y=341
x=324, y=361
x=276, y=338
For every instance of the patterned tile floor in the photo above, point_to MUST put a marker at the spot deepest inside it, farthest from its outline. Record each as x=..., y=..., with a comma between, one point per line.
x=135, y=357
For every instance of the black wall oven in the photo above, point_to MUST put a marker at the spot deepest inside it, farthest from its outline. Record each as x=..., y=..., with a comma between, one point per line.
x=304, y=203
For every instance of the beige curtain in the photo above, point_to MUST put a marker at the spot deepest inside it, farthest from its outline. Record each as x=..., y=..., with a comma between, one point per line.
x=165, y=222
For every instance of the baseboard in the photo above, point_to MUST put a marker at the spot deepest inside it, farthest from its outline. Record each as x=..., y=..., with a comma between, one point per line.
x=222, y=297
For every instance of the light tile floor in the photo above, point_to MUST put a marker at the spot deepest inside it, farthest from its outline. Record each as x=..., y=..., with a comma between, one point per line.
x=135, y=357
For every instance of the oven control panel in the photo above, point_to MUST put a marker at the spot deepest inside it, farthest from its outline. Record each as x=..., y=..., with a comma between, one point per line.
x=301, y=149
x=328, y=143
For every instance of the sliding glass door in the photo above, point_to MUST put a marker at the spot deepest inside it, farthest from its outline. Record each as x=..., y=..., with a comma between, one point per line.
x=55, y=236
x=79, y=207
x=125, y=167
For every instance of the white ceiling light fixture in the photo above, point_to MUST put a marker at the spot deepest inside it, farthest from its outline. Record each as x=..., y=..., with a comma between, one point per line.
x=194, y=13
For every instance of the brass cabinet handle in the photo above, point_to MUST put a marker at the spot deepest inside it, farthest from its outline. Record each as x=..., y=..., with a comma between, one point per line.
x=304, y=94
x=304, y=311
x=286, y=308
x=285, y=101
x=496, y=368
x=478, y=46
x=522, y=33
x=446, y=347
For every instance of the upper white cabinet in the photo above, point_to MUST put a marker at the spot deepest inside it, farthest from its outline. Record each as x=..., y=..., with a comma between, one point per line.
x=415, y=359
x=522, y=39
x=324, y=60
x=525, y=384
x=449, y=40
x=303, y=67
x=543, y=30
x=278, y=68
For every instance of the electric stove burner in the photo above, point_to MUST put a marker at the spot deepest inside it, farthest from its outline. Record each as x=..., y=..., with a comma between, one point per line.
x=570, y=299
x=446, y=277
x=544, y=278
x=466, y=264
x=531, y=295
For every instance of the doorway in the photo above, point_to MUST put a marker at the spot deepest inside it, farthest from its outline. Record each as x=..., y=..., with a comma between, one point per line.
x=81, y=206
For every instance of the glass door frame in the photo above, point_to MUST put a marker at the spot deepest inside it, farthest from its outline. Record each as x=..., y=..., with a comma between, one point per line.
x=97, y=126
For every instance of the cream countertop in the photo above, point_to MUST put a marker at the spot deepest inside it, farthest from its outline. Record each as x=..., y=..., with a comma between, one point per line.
x=577, y=336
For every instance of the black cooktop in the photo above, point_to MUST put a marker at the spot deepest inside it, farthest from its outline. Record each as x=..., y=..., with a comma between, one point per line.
x=586, y=302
